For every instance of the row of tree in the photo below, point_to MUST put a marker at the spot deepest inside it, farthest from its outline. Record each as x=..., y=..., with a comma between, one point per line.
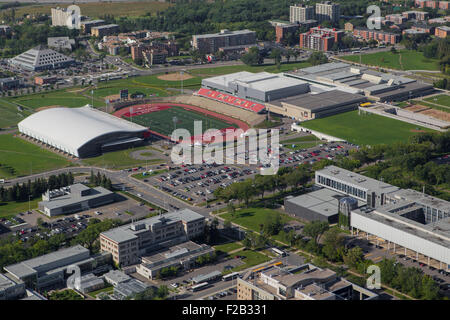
x=100, y=180
x=22, y=192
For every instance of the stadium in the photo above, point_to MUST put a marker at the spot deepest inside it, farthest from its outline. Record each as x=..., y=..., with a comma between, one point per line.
x=82, y=132
x=162, y=118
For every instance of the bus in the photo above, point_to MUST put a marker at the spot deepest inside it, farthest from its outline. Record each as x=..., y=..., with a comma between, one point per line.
x=230, y=276
x=200, y=286
x=279, y=252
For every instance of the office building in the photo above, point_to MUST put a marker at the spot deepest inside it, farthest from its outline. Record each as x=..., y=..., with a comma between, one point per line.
x=9, y=83
x=104, y=30
x=128, y=289
x=129, y=243
x=50, y=269
x=305, y=282
x=74, y=198
x=328, y=11
x=210, y=43
x=60, y=43
x=115, y=277
x=300, y=13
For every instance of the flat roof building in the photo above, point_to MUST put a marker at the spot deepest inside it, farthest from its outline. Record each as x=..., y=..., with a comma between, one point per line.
x=87, y=25
x=11, y=289
x=183, y=256
x=115, y=277
x=130, y=242
x=210, y=43
x=307, y=283
x=74, y=198
x=129, y=288
x=82, y=132
x=50, y=269
x=104, y=30
x=300, y=13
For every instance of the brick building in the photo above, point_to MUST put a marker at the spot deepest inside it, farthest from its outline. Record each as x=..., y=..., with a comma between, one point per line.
x=321, y=39
x=380, y=36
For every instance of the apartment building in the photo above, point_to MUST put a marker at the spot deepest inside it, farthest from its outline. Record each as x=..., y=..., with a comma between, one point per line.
x=210, y=43
x=300, y=13
x=418, y=15
x=442, y=32
x=328, y=11
x=86, y=26
x=128, y=243
x=396, y=18
x=321, y=39
x=105, y=30
x=380, y=36
x=283, y=30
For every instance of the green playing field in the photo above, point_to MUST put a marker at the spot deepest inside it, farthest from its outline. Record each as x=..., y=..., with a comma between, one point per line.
x=162, y=121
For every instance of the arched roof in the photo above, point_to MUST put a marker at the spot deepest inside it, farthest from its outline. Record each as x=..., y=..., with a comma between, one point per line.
x=71, y=128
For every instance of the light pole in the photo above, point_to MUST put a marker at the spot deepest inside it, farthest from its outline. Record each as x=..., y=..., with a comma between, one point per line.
x=29, y=203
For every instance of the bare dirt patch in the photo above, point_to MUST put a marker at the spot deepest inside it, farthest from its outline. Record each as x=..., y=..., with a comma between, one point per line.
x=175, y=77
x=438, y=114
x=416, y=108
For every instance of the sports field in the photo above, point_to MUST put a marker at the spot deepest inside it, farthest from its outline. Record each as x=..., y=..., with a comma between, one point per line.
x=19, y=158
x=404, y=60
x=162, y=121
x=368, y=129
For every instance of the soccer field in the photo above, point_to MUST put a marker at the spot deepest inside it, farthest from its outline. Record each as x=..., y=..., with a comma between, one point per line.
x=367, y=129
x=162, y=121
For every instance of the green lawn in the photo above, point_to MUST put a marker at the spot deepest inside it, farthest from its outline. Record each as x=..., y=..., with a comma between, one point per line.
x=307, y=138
x=410, y=60
x=213, y=71
x=306, y=145
x=368, y=129
x=10, y=209
x=119, y=159
x=11, y=115
x=19, y=157
x=442, y=99
x=227, y=247
x=109, y=289
x=251, y=218
x=140, y=176
x=60, y=98
x=252, y=258
x=162, y=121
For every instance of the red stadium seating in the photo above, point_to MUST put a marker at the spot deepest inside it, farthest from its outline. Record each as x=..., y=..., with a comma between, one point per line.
x=231, y=100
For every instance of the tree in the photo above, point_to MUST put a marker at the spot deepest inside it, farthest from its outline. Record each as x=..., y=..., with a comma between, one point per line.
x=333, y=244
x=315, y=230
x=276, y=55
x=231, y=209
x=317, y=58
x=353, y=257
x=393, y=50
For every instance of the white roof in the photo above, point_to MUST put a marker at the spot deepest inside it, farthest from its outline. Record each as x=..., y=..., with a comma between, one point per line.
x=70, y=128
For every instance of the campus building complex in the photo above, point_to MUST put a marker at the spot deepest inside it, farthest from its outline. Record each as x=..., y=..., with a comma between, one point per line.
x=129, y=243
x=410, y=222
x=211, y=43
x=305, y=282
x=104, y=30
x=328, y=11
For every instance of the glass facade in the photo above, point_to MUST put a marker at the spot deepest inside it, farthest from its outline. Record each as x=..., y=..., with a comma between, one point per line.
x=343, y=187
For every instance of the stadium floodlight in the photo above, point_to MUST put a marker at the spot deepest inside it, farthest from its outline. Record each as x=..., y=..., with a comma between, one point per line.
x=175, y=120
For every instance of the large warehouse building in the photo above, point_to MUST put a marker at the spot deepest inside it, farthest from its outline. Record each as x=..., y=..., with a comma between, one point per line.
x=375, y=85
x=82, y=132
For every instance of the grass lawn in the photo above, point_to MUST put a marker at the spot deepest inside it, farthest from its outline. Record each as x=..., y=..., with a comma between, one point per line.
x=252, y=258
x=307, y=138
x=162, y=122
x=93, y=10
x=213, y=71
x=119, y=159
x=299, y=146
x=410, y=60
x=368, y=129
x=251, y=218
x=108, y=289
x=60, y=97
x=67, y=294
x=11, y=115
x=11, y=209
x=19, y=157
x=140, y=176
x=227, y=247
x=442, y=99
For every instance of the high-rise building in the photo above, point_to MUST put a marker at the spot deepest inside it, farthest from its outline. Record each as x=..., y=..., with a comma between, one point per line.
x=301, y=13
x=64, y=17
x=328, y=11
